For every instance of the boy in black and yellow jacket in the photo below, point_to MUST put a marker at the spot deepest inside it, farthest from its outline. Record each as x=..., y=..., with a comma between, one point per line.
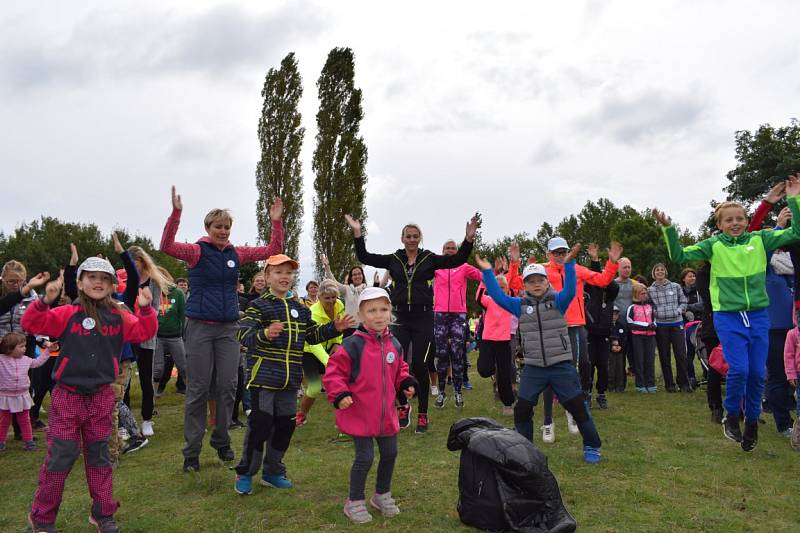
x=274, y=329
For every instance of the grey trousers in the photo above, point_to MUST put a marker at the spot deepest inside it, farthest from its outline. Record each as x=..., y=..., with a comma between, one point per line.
x=172, y=346
x=211, y=349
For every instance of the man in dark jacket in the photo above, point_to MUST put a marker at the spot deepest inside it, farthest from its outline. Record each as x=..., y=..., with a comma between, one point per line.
x=599, y=307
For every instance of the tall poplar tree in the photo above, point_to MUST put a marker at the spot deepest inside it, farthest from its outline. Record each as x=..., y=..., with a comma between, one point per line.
x=339, y=163
x=279, y=172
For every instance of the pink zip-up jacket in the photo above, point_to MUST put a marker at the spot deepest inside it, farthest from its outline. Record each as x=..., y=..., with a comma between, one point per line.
x=791, y=354
x=14, y=379
x=496, y=320
x=450, y=288
x=369, y=368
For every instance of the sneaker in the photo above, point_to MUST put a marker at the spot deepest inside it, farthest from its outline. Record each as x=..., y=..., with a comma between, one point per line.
x=750, y=436
x=357, y=512
x=796, y=435
x=548, y=433
x=641, y=389
x=404, y=414
x=652, y=390
x=716, y=415
x=508, y=410
x=385, y=504
x=243, y=484
x=467, y=385
x=147, y=429
x=276, y=481
x=440, y=401
x=422, y=423
x=225, y=455
x=300, y=419
x=572, y=426
x=602, y=402
x=459, y=400
x=135, y=443
x=30, y=446
x=104, y=524
x=38, y=527
x=591, y=455
x=730, y=428
x=191, y=464
x=434, y=390
x=38, y=425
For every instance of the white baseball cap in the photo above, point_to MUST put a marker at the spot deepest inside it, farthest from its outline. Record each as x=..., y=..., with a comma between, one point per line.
x=557, y=243
x=373, y=293
x=97, y=264
x=534, y=269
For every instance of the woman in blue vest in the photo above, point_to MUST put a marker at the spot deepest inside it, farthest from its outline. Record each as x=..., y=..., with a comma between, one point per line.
x=212, y=312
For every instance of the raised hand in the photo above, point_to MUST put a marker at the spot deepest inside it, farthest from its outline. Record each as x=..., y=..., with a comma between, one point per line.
x=776, y=193
x=35, y=282
x=53, y=289
x=176, y=200
x=324, y=260
x=784, y=217
x=117, y=245
x=793, y=185
x=276, y=209
x=145, y=297
x=482, y=263
x=344, y=322
x=513, y=251
x=73, y=254
x=573, y=253
x=594, y=251
x=355, y=225
x=273, y=330
x=615, y=251
x=472, y=228
x=661, y=218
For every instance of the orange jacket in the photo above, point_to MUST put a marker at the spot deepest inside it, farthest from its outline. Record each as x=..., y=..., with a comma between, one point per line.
x=555, y=274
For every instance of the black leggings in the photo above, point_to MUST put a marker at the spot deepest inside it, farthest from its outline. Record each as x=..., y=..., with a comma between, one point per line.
x=144, y=364
x=598, y=359
x=42, y=384
x=415, y=328
x=495, y=356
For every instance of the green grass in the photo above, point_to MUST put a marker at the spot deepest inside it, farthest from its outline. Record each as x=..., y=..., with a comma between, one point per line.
x=665, y=468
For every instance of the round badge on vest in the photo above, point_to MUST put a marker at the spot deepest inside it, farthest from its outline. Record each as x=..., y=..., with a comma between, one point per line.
x=390, y=357
x=231, y=263
x=88, y=323
x=529, y=309
x=294, y=313
x=172, y=301
x=670, y=293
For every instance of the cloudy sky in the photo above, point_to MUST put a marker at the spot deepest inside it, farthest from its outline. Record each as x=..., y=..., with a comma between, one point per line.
x=522, y=110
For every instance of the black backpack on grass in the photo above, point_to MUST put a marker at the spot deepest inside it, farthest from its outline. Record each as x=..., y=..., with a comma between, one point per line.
x=504, y=483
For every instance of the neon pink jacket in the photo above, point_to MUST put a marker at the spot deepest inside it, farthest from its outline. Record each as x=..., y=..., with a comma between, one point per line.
x=450, y=288
x=496, y=320
x=791, y=354
x=372, y=376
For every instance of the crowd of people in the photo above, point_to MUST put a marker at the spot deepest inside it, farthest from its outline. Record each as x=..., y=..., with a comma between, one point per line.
x=379, y=352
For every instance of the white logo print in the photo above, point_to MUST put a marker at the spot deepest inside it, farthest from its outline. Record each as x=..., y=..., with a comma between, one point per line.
x=88, y=323
x=294, y=313
x=231, y=263
x=529, y=309
x=390, y=357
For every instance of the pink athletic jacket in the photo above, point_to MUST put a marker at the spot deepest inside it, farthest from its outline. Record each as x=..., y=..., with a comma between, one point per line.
x=791, y=355
x=369, y=368
x=450, y=288
x=496, y=320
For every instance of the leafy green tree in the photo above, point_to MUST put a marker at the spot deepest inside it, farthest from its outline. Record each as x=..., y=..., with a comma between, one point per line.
x=339, y=162
x=279, y=172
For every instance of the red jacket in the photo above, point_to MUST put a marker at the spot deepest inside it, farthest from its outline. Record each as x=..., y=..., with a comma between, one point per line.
x=576, y=315
x=369, y=368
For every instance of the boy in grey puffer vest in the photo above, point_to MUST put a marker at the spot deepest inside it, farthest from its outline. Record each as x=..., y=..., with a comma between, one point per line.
x=546, y=348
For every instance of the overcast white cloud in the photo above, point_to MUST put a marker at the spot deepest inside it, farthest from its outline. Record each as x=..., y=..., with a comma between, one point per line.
x=523, y=110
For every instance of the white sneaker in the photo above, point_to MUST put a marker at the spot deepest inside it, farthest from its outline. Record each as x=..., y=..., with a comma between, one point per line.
x=247, y=412
x=434, y=390
x=572, y=426
x=147, y=428
x=548, y=433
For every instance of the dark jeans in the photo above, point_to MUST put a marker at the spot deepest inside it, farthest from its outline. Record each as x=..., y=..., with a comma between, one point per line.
x=415, y=329
x=580, y=349
x=779, y=392
x=144, y=364
x=270, y=424
x=387, y=447
x=597, y=360
x=495, y=358
x=644, y=360
x=672, y=340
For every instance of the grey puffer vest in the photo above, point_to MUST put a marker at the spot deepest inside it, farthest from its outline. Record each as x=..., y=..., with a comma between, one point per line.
x=543, y=331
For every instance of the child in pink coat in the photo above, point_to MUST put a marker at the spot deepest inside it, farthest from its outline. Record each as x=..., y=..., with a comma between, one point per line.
x=361, y=380
x=14, y=384
x=791, y=362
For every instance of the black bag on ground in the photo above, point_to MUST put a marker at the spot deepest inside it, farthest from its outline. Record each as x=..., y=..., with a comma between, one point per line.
x=504, y=483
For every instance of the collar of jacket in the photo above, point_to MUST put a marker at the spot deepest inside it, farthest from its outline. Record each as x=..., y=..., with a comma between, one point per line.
x=401, y=253
x=208, y=240
x=558, y=266
x=726, y=239
x=372, y=334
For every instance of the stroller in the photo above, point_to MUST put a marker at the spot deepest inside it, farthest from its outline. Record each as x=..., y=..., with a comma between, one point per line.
x=700, y=350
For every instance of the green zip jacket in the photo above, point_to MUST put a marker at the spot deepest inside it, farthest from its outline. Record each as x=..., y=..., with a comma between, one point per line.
x=738, y=264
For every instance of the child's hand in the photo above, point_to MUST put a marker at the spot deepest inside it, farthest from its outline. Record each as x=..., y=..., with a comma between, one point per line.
x=73, y=254
x=573, y=253
x=117, y=245
x=276, y=209
x=344, y=322
x=345, y=402
x=273, y=330
x=409, y=392
x=662, y=218
x=472, y=228
x=354, y=224
x=615, y=251
x=784, y=217
x=482, y=263
x=176, y=200
x=793, y=185
x=776, y=193
x=594, y=251
x=53, y=289
x=145, y=297
x=501, y=265
x=35, y=282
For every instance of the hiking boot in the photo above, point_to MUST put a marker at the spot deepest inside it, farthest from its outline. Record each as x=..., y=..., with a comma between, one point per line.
x=796, y=435
x=548, y=433
x=459, y=400
x=191, y=464
x=30, y=446
x=385, y=504
x=300, y=419
x=730, y=428
x=422, y=423
x=750, y=436
x=357, y=512
x=243, y=484
x=716, y=415
x=276, y=481
x=572, y=426
x=104, y=524
x=591, y=455
x=602, y=402
x=225, y=455
x=440, y=400
x=38, y=527
x=135, y=443
x=404, y=414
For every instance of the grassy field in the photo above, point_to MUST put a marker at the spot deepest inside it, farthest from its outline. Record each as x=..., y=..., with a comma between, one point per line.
x=665, y=468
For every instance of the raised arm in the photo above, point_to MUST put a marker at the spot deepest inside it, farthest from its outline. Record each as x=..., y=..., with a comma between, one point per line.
x=677, y=253
x=602, y=279
x=780, y=238
x=249, y=254
x=190, y=253
x=774, y=195
x=509, y=303
x=329, y=275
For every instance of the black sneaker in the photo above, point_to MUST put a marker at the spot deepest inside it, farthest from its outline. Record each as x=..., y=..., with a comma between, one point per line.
x=136, y=443
x=191, y=464
x=750, y=436
x=716, y=415
x=602, y=402
x=730, y=428
x=225, y=455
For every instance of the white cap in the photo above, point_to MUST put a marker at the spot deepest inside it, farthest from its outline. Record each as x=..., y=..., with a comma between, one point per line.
x=97, y=264
x=533, y=269
x=557, y=243
x=373, y=293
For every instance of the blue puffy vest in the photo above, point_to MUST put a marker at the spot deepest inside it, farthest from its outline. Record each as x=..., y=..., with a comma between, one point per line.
x=212, y=285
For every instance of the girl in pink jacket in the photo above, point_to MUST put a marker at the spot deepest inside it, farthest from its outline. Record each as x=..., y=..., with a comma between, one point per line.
x=361, y=380
x=495, y=357
x=791, y=362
